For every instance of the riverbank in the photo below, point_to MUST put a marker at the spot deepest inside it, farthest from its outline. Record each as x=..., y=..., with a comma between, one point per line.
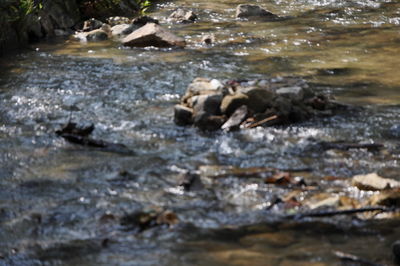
x=27, y=21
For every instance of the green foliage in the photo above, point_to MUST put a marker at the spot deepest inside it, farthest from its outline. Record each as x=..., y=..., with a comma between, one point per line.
x=144, y=5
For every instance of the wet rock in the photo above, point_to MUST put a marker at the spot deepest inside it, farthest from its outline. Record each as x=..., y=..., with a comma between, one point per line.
x=143, y=20
x=153, y=35
x=182, y=16
x=190, y=181
x=202, y=86
x=396, y=251
x=253, y=11
x=374, y=182
x=387, y=198
x=91, y=24
x=236, y=119
x=208, y=39
x=97, y=35
x=209, y=104
x=113, y=21
x=232, y=102
x=294, y=93
x=259, y=99
x=183, y=115
x=206, y=112
x=122, y=29
x=209, y=122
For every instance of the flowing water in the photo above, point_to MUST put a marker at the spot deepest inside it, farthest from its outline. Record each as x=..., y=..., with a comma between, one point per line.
x=61, y=203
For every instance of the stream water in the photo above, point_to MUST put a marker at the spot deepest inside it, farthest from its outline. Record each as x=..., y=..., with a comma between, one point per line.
x=60, y=203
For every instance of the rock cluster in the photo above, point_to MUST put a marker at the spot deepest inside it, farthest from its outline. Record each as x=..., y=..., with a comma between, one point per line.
x=210, y=104
x=140, y=32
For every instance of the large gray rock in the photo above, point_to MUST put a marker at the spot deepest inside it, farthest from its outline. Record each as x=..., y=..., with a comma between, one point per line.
x=374, y=182
x=253, y=11
x=152, y=34
x=182, y=16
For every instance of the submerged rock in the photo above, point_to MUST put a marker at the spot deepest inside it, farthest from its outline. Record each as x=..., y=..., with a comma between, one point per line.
x=182, y=16
x=208, y=39
x=152, y=34
x=374, y=182
x=253, y=11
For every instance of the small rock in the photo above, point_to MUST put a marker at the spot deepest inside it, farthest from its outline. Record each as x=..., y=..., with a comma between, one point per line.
x=182, y=16
x=236, y=118
x=396, y=250
x=190, y=181
x=386, y=198
x=374, y=182
x=152, y=34
x=293, y=93
x=231, y=102
x=97, y=35
x=92, y=24
x=208, y=39
x=183, y=115
x=249, y=11
x=143, y=20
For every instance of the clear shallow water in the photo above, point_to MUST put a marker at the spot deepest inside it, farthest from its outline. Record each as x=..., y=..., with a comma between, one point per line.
x=60, y=202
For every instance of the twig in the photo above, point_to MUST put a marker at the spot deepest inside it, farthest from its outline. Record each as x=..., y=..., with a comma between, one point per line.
x=342, y=212
x=259, y=123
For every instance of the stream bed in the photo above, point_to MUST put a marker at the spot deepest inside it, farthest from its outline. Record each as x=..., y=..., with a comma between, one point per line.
x=62, y=204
